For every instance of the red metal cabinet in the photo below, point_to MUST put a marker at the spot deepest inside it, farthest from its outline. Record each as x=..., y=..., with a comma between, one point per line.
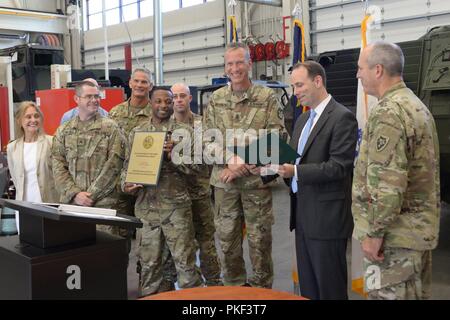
x=54, y=103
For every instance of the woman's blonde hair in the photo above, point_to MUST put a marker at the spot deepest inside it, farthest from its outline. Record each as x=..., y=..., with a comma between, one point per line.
x=23, y=107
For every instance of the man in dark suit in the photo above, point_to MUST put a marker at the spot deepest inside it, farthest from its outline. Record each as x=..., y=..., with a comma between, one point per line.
x=320, y=181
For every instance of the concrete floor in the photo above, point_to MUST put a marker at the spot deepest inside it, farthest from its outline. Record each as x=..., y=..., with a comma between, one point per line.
x=283, y=252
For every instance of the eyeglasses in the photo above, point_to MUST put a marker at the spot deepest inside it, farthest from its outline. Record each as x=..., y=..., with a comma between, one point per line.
x=91, y=97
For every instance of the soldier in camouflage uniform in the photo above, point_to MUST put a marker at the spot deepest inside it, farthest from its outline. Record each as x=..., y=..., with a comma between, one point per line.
x=130, y=114
x=240, y=196
x=137, y=109
x=199, y=192
x=396, y=197
x=165, y=210
x=88, y=154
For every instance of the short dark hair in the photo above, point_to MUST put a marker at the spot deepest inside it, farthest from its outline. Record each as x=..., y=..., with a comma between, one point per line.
x=79, y=87
x=314, y=69
x=158, y=88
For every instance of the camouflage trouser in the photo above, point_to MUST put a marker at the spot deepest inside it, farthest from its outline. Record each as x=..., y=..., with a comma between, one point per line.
x=169, y=271
x=204, y=235
x=174, y=228
x=404, y=274
x=253, y=207
x=203, y=218
x=124, y=206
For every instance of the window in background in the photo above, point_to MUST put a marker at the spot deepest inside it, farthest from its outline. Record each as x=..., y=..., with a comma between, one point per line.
x=112, y=16
x=84, y=8
x=129, y=11
x=85, y=23
x=94, y=13
x=170, y=5
x=125, y=2
x=111, y=4
x=118, y=11
x=95, y=21
x=189, y=3
x=94, y=6
x=146, y=8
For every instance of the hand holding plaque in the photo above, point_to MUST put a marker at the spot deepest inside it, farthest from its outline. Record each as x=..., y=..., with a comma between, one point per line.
x=168, y=146
x=146, y=158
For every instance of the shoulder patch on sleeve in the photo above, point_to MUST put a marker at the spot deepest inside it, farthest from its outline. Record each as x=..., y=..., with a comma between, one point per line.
x=280, y=113
x=382, y=142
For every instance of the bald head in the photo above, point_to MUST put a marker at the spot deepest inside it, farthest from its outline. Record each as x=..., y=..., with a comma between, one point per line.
x=181, y=99
x=91, y=80
x=181, y=87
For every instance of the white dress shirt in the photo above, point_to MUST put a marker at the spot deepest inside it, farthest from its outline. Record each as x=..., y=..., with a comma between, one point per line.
x=319, y=110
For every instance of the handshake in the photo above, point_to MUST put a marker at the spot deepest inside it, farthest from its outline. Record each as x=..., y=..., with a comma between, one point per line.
x=237, y=168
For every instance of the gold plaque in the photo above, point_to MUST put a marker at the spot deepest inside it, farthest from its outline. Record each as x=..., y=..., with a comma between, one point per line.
x=146, y=158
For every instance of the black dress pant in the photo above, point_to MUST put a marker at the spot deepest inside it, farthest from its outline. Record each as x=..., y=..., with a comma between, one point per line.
x=322, y=267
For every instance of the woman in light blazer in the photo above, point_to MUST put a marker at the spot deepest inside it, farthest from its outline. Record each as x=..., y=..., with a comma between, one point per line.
x=29, y=157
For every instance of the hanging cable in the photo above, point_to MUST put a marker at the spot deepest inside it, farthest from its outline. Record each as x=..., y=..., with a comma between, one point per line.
x=131, y=40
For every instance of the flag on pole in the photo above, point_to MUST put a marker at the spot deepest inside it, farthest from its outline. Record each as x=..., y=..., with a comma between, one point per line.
x=364, y=101
x=233, y=30
x=363, y=106
x=298, y=55
x=299, y=42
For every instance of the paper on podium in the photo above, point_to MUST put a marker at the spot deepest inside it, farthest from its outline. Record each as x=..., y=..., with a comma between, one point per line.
x=91, y=215
x=69, y=218
x=269, y=149
x=86, y=210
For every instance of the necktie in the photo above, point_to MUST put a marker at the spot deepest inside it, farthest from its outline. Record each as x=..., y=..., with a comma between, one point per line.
x=301, y=145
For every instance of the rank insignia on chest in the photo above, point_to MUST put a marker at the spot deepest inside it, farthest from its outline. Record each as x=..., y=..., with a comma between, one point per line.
x=81, y=142
x=382, y=142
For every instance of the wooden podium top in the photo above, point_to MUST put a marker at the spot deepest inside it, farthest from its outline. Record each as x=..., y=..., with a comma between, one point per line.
x=224, y=293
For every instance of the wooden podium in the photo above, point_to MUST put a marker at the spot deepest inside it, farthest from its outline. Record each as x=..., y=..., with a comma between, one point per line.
x=62, y=256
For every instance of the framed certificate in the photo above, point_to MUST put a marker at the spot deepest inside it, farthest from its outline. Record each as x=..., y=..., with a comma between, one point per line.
x=146, y=158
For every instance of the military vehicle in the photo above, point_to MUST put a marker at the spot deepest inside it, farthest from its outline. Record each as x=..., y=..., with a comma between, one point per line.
x=426, y=72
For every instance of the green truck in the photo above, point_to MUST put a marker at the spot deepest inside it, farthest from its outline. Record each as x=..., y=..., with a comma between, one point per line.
x=426, y=72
